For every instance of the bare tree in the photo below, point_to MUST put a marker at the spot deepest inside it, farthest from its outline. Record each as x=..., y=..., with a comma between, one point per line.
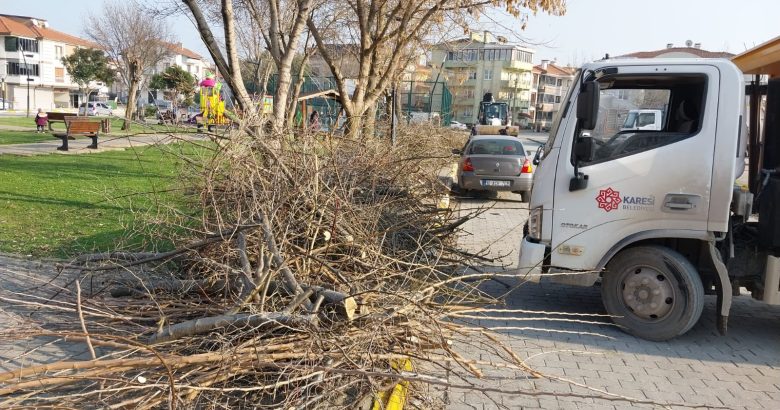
x=228, y=61
x=134, y=40
x=282, y=28
x=385, y=32
x=278, y=24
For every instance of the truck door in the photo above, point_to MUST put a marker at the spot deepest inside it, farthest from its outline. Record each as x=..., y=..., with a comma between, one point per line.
x=642, y=183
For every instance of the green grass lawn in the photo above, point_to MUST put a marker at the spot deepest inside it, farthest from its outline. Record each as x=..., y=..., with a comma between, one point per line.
x=23, y=137
x=116, y=125
x=60, y=205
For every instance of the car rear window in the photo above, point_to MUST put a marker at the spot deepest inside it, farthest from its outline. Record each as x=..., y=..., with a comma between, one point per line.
x=496, y=147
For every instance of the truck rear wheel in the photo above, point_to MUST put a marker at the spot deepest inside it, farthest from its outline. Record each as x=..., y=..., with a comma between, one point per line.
x=652, y=292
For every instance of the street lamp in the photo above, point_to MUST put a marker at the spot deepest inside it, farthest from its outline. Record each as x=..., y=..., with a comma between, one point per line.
x=2, y=92
x=27, y=71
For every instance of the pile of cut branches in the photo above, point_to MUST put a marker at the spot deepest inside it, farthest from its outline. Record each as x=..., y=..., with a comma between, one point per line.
x=307, y=274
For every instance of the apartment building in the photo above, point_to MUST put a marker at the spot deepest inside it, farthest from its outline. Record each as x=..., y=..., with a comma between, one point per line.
x=31, y=66
x=550, y=85
x=485, y=63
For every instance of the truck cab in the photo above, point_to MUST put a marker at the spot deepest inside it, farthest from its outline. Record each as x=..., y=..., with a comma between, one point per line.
x=642, y=211
x=643, y=119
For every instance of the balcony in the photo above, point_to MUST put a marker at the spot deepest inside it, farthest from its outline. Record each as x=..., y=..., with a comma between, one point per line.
x=520, y=104
x=515, y=85
x=547, y=107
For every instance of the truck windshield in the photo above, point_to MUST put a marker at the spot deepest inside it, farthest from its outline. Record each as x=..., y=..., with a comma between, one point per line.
x=630, y=120
x=496, y=110
x=560, y=114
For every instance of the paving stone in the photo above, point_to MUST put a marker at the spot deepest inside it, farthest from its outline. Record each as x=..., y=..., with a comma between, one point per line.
x=741, y=370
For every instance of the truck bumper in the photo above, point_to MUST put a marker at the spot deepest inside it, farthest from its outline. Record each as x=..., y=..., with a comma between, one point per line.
x=531, y=260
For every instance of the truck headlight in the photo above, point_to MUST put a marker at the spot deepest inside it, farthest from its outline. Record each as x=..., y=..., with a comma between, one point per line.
x=535, y=224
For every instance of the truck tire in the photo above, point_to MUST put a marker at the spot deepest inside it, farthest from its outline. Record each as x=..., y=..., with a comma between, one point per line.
x=652, y=292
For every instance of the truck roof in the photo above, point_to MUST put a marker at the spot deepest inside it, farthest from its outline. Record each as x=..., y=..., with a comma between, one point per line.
x=721, y=63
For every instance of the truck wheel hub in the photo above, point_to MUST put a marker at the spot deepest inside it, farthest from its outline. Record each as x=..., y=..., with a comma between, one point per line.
x=648, y=293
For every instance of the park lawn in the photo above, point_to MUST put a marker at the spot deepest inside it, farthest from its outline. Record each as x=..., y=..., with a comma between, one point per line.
x=23, y=137
x=18, y=121
x=116, y=125
x=61, y=205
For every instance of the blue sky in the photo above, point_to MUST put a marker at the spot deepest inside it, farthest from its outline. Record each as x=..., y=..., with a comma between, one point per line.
x=590, y=28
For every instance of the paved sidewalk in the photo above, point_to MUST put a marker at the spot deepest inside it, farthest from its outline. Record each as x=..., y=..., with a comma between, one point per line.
x=701, y=368
x=105, y=143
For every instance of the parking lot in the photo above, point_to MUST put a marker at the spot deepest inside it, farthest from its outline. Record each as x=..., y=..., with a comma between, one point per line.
x=562, y=333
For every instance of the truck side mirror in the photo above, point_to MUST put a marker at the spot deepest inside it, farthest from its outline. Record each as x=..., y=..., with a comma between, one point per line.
x=584, y=148
x=588, y=105
x=584, y=151
x=538, y=156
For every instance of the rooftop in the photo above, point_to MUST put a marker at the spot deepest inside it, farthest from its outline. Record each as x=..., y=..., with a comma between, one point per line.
x=179, y=49
x=555, y=70
x=32, y=27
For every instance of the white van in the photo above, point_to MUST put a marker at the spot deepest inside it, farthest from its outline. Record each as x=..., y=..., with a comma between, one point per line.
x=650, y=120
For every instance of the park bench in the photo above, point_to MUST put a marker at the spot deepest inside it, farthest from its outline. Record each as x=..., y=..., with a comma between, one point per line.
x=57, y=117
x=79, y=126
x=167, y=117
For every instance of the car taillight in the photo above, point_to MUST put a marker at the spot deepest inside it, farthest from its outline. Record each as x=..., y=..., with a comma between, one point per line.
x=527, y=167
x=467, y=165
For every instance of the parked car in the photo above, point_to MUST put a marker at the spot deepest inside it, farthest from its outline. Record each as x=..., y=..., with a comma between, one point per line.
x=492, y=163
x=94, y=108
x=4, y=105
x=458, y=126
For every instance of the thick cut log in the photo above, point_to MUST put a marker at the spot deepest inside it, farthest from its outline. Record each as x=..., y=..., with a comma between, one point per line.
x=242, y=320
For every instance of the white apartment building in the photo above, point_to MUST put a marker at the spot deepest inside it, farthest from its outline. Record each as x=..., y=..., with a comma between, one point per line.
x=550, y=84
x=483, y=63
x=31, y=66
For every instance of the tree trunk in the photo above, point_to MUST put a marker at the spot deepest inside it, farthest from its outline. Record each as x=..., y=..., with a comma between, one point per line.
x=281, y=95
x=369, y=122
x=292, y=105
x=131, y=97
x=353, y=125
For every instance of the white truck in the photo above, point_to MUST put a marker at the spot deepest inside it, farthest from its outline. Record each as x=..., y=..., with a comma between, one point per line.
x=649, y=120
x=654, y=216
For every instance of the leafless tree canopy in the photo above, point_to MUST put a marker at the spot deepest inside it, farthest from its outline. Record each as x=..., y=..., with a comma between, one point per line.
x=385, y=34
x=134, y=40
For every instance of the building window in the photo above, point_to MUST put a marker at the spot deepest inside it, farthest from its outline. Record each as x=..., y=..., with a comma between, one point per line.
x=559, y=83
x=15, y=68
x=19, y=44
x=557, y=99
x=59, y=74
x=472, y=75
x=488, y=74
x=58, y=52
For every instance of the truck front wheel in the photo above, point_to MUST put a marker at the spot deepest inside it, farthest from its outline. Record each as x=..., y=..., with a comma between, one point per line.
x=652, y=292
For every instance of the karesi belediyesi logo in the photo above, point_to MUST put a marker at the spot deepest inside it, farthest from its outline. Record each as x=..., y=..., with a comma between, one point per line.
x=608, y=199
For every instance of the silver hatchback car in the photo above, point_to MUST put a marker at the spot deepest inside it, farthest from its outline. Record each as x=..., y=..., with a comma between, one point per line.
x=495, y=163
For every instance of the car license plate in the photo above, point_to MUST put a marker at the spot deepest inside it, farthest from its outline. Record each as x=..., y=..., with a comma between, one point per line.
x=491, y=182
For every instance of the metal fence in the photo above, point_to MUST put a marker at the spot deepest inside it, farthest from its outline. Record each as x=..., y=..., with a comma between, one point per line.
x=423, y=101
x=419, y=101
